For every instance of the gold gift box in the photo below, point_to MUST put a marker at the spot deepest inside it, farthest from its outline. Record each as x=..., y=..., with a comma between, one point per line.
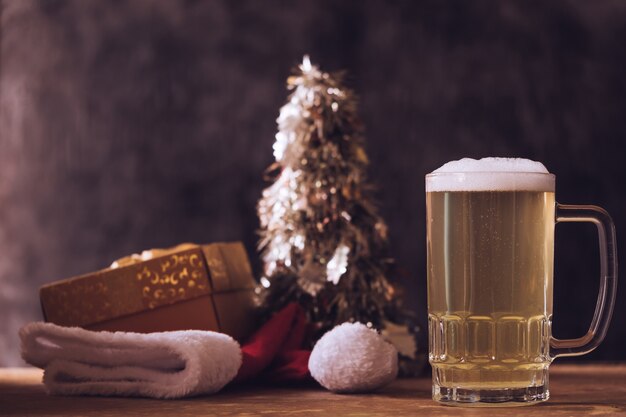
x=204, y=287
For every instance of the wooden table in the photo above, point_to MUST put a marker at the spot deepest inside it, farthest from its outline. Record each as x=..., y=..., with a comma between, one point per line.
x=577, y=390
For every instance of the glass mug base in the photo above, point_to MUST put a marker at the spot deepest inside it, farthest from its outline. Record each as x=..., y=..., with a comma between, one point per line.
x=491, y=396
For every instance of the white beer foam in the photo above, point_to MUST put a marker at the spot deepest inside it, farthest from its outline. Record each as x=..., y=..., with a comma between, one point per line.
x=491, y=174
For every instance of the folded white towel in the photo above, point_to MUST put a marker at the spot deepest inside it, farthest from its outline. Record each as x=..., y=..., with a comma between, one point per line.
x=160, y=365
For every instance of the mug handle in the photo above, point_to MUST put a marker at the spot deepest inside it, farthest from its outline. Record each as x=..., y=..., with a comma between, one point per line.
x=608, y=279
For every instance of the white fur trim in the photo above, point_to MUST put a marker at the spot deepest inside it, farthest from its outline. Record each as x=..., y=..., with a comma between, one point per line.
x=160, y=365
x=353, y=358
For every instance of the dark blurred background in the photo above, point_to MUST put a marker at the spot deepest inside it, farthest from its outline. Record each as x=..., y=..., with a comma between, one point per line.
x=127, y=125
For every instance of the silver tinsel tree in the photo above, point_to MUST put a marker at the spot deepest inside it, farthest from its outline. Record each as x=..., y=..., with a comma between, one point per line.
x=323, y=243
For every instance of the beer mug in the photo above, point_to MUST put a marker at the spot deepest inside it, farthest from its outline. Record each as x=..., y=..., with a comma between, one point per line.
x=490, y=249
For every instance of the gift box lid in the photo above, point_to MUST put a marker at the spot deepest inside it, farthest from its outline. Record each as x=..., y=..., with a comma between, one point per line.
x=182, y=273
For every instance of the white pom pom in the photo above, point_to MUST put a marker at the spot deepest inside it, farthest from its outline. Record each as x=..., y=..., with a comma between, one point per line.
x=353, y=358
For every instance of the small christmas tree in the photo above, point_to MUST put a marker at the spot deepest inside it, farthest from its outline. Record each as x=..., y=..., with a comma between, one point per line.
x=323, y=243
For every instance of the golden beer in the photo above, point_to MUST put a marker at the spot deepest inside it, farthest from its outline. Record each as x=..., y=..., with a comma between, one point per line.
x=490, y=250
x=490, y=256
x=490, y=261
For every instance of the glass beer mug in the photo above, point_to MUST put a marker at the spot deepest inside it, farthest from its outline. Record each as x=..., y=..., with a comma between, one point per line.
x=490, y=248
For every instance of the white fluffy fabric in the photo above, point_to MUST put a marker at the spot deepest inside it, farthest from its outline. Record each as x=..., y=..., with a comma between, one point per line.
x=159, y=365
x=353, y=358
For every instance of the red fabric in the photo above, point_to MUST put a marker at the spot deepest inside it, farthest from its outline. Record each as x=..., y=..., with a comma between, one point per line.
x=274, y=353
